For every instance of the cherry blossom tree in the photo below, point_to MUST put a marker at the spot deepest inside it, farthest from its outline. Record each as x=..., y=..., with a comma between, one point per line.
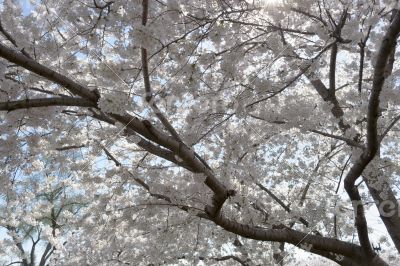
x=199, y=132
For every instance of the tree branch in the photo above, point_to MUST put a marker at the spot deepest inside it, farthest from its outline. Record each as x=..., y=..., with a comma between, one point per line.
x=348, y=141
x=235, y=258
x=12, y=40
x=45, y=102
x=70, y=147
x=146, y=78
x=322, y=244
x=280, y=202
x=362, y=45
x=29, y=64
x=388, y=44
x=387, y=130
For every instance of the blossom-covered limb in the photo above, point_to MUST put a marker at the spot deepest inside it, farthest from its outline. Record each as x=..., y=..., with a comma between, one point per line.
x=45, y=102
x=221, y=193
x=388, y=44
x=30, y=64
x=322, y=244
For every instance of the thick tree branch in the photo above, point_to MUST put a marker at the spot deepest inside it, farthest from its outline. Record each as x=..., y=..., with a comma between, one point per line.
x=256, y=233
x=332, y=71
x=388, y=44
x=182, y=151
x=322, y=244
x=45, y=102
x=43, y=259
x=18, y=244
x=29, y=64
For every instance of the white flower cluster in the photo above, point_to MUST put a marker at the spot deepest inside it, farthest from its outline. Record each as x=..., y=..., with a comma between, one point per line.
x=134, y=138
x=142, y=36
x=115, y=103
x=228, y=65
x=173, y=9
x=200, y=177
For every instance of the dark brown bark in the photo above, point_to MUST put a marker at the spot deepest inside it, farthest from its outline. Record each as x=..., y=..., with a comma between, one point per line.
x=45, y=102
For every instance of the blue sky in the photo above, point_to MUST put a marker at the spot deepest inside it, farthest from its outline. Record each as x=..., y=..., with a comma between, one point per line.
x=26, y=6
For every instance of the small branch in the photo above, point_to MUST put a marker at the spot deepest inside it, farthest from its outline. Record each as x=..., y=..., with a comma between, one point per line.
x=109, y=155
x=160, y=152
x=305, y=13
x=213, y=127
x=242, y=262
x=65, y=148
x=145, y=186
x=143, y=143
x=336, y=192
x=11, y=39
x=303, y=71
x=280, y=202
x=348, y=141
x=387, y=130
x=146, y=78
x=341, y=174
x=362, y=45
x=15, y=262
x=47, y=92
